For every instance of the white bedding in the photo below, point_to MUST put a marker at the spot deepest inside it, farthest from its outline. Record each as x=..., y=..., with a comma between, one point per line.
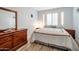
x=52, y=31
x=55, y=36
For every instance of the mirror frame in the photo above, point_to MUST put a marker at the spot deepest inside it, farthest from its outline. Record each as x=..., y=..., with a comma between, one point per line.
x=5, y=9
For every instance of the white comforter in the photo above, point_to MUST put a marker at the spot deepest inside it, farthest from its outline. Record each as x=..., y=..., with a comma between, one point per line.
x=55, y=36
x=52, y=31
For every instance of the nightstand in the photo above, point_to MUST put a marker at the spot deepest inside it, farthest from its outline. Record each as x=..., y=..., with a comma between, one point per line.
x=71, y=32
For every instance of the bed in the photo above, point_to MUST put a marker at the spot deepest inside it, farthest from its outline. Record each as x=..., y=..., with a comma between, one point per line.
x=56, y=37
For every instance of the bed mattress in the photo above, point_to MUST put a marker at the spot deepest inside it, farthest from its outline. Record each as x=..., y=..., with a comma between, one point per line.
x=58, y=37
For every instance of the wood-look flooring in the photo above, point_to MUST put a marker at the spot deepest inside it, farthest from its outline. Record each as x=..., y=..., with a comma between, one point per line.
x=36, y=47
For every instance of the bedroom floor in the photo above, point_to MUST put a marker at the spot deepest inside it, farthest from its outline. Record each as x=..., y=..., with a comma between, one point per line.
x=36, y=47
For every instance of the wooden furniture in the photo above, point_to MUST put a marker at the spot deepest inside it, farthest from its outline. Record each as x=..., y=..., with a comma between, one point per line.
x=12, y=39
x=71, y=32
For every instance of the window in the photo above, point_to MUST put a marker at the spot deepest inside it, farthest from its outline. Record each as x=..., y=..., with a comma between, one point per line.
x=55, y=19
x=52, y=19
x=62, y=18
x=48, y=19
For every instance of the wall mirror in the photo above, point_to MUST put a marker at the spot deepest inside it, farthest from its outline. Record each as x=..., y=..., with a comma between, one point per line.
x=8, y=19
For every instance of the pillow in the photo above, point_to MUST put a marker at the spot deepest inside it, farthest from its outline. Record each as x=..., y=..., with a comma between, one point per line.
x=50, y=26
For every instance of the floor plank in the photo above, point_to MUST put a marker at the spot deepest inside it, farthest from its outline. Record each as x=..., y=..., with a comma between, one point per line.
x=36, y=47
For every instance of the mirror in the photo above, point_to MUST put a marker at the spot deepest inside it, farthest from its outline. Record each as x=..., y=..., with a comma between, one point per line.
x=8, y=19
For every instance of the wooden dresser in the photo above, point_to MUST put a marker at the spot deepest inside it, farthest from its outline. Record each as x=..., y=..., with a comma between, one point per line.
x=71, y=32
x=12, y=39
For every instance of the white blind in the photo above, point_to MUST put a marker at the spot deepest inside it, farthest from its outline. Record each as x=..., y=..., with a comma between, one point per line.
x=54, y=19
x=62, y=18
x=48, y=19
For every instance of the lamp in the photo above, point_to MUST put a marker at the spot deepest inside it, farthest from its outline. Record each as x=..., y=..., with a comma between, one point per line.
x=38, y=24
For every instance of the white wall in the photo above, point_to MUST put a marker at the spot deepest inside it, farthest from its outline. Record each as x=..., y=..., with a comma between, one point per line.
x=24, y=19
x=76, y=22
x=68, y=15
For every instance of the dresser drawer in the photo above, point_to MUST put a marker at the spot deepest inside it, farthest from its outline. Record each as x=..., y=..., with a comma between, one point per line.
x=21, y=34
x=19, y=37
x=16, y=41
x=5, y=39
x=6, y=46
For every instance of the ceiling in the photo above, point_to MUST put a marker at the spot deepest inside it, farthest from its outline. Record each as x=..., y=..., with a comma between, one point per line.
x=43, y=8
